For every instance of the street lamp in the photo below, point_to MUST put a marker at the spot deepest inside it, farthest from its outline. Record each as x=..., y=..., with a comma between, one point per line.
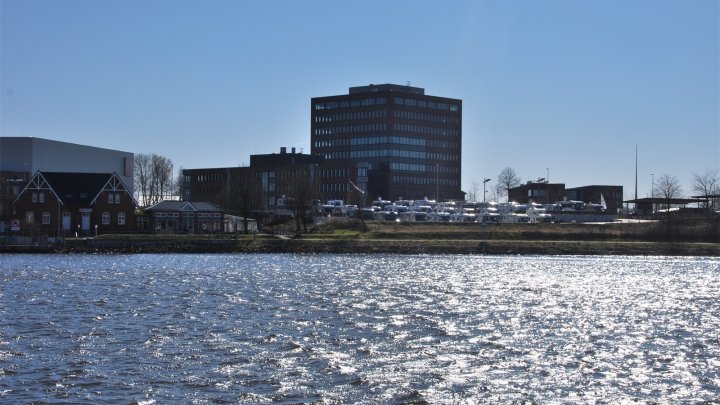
x=484, y=181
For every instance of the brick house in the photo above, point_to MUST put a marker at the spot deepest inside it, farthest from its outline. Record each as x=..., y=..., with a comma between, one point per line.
x=61, y=204
x=192, y=217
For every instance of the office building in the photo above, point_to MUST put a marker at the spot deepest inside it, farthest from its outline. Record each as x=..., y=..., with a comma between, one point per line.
x=392, y=141
x=264, y=185
x=611, y=196
x=537, y=192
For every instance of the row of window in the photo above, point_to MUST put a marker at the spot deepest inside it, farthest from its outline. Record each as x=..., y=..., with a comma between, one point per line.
x=409, y=115
x=424, y=181
x=350, y=129
x=336, y=187
x=120, y=218
x=30, y=217
x=113, y=198
x=328, y=173
x=202, y=178
x=38, y=197
x=46, y=215
x=411, y=102
x=358, y=102
x=203, y=215
x=377, y=140
x=379, y=153
x=421, y=129
x=347, y=116
x=412, y=115
x=411, y=167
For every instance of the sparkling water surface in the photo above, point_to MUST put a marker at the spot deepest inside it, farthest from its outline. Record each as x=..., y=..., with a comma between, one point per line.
x=358, y=329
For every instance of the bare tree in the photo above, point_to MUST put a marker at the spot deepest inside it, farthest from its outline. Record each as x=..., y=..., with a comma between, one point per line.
x=143, y=174
x=493, y=194
x=162, y=174
x=300, y=189
x=507, y=179
x=707, y=184
x=668, y=188
x=154, y=178
x=472, y=195
x=247, y=190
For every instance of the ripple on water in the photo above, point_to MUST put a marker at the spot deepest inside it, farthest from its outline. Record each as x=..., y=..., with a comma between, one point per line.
x=354, y=328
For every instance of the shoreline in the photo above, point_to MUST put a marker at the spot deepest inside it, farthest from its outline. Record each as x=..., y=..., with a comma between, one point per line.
x=376, y=246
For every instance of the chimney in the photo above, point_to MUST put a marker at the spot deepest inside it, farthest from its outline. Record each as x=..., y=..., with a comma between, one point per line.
x=283, y=150
x=293, y=150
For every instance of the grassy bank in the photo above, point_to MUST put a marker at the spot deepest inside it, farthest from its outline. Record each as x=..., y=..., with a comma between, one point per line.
x=422, y=238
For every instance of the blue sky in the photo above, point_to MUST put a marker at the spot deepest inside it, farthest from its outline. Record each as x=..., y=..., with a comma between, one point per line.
x=567, y=85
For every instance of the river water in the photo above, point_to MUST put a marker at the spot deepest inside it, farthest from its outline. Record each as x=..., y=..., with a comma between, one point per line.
x=358, y=329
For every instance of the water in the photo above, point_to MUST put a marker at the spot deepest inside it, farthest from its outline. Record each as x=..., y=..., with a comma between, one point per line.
x=358, y=329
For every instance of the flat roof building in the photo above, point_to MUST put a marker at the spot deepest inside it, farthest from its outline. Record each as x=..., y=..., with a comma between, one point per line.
x=538, y=192
x=392, y=141
x=28, y=155
x=267, y=181
x=612, y=196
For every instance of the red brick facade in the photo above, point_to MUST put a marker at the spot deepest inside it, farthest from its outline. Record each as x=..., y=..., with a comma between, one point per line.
x=61, y=204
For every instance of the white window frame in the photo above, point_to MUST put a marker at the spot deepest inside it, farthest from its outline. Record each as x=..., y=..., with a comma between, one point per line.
x=34, y=197
x=46, y=218
x=106, y=218
x=117, y=198
x=110, y=198
x=121, y=218
x=42, y=197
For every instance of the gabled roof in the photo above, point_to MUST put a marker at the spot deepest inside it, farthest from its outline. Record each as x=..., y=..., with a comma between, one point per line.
x=71, y=188
x=37, y=182
x=77, y=188
x=114, y=184
x=187, y=206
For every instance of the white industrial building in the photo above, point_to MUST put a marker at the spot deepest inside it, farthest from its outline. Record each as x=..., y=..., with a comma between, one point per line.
x=28, y=155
